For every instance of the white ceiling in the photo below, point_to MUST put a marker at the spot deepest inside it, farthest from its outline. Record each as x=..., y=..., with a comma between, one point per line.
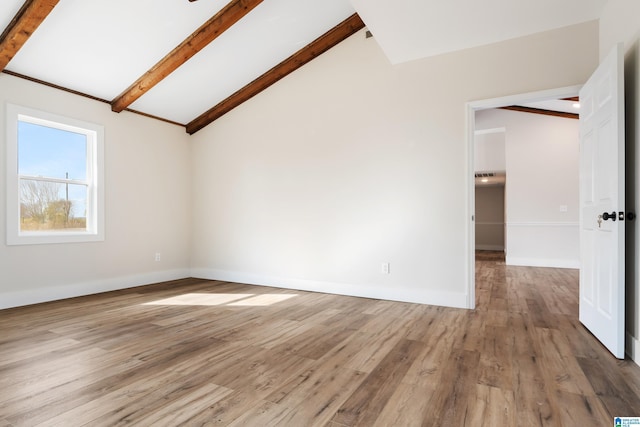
x=413, y=29
x=100, y=47
x=271, y=33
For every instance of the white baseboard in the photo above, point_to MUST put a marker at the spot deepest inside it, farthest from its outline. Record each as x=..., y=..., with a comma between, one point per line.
x=633, y=348
x=395, y=293
x=540, y=262
x=53, y=293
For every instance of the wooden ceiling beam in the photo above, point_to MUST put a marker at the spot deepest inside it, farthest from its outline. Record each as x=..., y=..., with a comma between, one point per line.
x=22, y=26
x=325, y=42
x=209, y=31
x=542, y=111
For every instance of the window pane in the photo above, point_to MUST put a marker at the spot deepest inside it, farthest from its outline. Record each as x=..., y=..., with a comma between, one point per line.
x=50, y=206
x=49, y=152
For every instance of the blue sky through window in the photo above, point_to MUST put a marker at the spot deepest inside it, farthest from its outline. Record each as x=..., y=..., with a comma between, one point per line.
x=50, y=152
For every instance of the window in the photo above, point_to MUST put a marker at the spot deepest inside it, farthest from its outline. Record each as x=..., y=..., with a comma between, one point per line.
x=55, y=185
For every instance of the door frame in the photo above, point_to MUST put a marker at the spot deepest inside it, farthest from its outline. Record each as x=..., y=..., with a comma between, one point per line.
x=472, y=107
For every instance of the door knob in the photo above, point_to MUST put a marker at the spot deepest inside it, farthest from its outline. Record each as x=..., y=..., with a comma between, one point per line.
x=612, y=216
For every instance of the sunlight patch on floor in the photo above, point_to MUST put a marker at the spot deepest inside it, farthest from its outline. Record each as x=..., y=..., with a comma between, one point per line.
x=223, y=299
x=266, y=299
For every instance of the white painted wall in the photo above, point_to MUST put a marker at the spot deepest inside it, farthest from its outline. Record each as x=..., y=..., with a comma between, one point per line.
x=148, y=200
x=350, y=162
x=542, y=175
x=347, y=163
x=619, y=23
x=490, y=151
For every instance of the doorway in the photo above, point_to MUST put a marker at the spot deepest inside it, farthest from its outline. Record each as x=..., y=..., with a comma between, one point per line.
x=472, y=109
x=490, y=180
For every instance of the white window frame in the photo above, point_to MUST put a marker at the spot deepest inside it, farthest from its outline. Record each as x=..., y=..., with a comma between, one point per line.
x=94, y=180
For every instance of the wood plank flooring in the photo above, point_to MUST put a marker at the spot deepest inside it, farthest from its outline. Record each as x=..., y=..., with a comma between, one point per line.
x=204, y=353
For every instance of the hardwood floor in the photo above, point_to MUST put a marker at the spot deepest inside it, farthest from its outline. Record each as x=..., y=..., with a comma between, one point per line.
x=210, y=353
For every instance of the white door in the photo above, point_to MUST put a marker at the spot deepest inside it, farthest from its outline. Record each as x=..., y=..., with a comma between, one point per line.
x=602, y=203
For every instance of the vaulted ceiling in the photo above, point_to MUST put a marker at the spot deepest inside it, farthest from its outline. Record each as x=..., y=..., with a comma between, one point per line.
x=190, y=62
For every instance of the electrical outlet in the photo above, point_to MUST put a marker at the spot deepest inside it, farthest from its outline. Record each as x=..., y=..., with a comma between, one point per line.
x=386, y=268
x=158, y=257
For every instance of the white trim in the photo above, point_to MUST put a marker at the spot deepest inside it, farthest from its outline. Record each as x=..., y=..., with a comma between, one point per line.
x=489, y=131
x=53, y=293
x=472, y=107
x=543, y=95
x=633, y=348
x=56, y=180
x=470, y=212
x=542, y=262
x=395, y=293
x=543, y=224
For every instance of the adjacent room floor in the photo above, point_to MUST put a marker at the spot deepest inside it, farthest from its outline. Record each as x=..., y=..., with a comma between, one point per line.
x=209, y=353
